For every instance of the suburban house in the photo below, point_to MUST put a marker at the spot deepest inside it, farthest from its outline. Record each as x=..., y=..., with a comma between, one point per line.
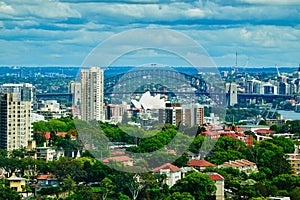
x=47, y=180
x=219, y=182
x=200, y=165
x=16, y=183
x=172, y=172
x=242, y=165
x=125, y=160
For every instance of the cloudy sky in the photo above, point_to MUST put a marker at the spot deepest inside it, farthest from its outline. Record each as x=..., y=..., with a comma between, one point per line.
x=65, y=32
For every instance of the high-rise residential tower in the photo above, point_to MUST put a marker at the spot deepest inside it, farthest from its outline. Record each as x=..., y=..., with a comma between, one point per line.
x=92, y=94
x=75, y=90
x=16, y=102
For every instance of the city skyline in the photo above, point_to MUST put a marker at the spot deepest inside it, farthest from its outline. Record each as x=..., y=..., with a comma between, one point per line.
x=63, y=33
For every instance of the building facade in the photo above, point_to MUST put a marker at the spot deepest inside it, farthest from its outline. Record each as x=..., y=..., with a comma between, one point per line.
x=92, y=94
x=75, y=90
x=15, y=121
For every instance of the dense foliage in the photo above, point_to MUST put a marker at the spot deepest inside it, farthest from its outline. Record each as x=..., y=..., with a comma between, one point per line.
x=271, y=180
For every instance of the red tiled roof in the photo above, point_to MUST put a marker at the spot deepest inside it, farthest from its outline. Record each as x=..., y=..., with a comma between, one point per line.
x=117, y=153
x=295, y=157
x=45, y=176
x=117, y=159
x=61, y=134
x=169, y=166
x=233, y=135
x=238, y=163
x=216, y=177
x=264, y=131
x=47, y=135
x=200, y=163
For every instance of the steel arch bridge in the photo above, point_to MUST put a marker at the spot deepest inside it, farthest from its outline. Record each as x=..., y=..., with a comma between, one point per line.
x=155, y=80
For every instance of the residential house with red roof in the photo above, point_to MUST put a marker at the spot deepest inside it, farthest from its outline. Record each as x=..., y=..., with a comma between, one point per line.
x=125, y=160
x=200, y=165
x=47, y=180
x=219, y=182
x=242, y=165
x=172, y=172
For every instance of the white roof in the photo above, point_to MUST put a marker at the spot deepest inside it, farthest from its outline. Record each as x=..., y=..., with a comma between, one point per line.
x=149, y=102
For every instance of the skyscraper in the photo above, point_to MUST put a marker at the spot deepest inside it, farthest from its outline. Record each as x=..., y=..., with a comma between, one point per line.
x=92, y=94
x=75, y=90
x=16, y=102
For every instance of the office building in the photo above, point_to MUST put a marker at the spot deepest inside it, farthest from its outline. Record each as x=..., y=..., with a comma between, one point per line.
x=92, y=94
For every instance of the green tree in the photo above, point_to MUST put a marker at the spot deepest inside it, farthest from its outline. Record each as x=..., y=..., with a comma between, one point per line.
x=181, y=196
x=286, y=182
x=83, y=192
x=262, y=122
x=199, y=185
x=286, y=143
x=248, y=192
x=266, y=154
x=69, y=184
x=64, y=167
x=274, y=127
x=9, y=194
x=106, y=188
x=295, y=194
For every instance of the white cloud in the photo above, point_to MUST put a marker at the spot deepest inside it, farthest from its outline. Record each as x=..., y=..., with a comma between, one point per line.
x=39, y=8
x=273, y=2
x=260, y=30
x=4, y=8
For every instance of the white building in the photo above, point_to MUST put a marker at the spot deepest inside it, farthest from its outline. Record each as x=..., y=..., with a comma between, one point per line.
x=15, y=121
x=172, y=172
x=92, y=94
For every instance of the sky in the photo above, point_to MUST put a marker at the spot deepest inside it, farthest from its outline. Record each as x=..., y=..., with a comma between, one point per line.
x=67, y=32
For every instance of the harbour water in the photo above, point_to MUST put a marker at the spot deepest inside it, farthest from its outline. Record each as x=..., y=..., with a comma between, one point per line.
x=292, y=115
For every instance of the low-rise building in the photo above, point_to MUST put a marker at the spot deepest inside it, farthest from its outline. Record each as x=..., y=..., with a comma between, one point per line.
x=219, y=182
x=200, y=165
x=172, y=172
x=294, y=160
x=45, y=153
x=242, y=165
x=47, y=180
x=17, y=183
x=125, y=160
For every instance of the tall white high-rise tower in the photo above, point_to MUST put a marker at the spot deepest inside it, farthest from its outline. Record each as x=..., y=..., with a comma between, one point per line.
x=92, y=94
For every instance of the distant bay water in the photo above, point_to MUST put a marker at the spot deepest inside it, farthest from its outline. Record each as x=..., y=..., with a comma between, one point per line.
x=115, y=70
x=292, y=115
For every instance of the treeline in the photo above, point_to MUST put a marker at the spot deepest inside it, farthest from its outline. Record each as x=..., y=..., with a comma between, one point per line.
x=275, y=177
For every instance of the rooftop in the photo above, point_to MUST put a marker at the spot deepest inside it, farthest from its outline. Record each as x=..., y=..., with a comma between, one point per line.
x=117, y=159
x=216, y=177
x=168, y=166
x=200, y=163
